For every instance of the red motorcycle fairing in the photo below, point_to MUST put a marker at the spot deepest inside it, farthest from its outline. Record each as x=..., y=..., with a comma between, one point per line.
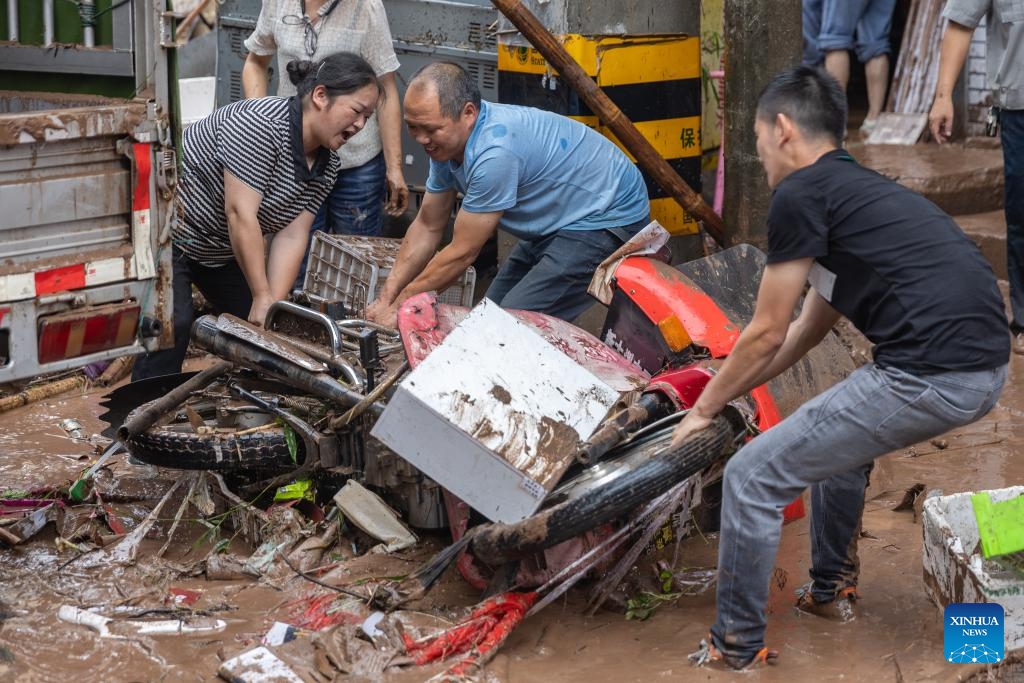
x=663, y=293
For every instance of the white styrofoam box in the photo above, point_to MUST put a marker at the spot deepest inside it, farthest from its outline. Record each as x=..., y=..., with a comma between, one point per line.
x=954, y=569
x=197, y=98
x=495, y=414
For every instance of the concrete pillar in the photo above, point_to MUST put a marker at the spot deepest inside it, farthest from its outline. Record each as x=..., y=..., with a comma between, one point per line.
x=762, y=37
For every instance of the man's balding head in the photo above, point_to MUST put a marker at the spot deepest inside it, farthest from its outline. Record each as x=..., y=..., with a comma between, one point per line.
x=454, y=88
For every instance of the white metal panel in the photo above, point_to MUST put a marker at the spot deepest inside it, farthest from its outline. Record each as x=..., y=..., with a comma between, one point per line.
x=108, y=270
x=495, y=414
x=17, y=287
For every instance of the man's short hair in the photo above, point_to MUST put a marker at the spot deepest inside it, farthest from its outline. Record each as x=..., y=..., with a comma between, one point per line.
x=810, y=97
x=454, y=86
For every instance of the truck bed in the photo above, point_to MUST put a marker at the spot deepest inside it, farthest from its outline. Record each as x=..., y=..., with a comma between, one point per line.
x=65, y=183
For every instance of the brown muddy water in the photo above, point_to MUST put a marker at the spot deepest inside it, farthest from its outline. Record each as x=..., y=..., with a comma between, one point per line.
x=897, y=636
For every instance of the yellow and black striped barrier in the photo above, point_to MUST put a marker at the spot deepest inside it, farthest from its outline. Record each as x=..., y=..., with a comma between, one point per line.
x=654, y=80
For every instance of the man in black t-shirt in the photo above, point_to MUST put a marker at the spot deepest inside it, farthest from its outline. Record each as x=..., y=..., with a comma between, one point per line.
x=907, y=277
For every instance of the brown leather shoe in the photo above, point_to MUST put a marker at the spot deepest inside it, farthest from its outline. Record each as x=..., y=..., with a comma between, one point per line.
x=841, y=608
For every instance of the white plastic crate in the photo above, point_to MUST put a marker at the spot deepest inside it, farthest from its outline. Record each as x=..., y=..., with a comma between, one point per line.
x=352, y=268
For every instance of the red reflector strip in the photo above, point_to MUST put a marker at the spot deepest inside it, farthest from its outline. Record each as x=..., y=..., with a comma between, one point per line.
x=143, y=166
x=80, y=333
x=60, y=279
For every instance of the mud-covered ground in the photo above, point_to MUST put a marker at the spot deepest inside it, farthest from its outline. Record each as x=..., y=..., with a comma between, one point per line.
x=897, y=636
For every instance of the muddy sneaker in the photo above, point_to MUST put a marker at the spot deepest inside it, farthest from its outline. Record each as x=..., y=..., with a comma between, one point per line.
x=711, y=657
x=1018, y=343
x=841, y=608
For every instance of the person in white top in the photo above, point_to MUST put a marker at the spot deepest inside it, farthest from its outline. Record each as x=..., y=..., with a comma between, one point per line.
x=371, y=181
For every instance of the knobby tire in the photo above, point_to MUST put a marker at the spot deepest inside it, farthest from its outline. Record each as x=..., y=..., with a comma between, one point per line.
x=495, y=544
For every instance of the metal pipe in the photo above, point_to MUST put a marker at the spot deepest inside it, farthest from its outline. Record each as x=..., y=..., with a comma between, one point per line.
x=206, y=335
x=614, y=431
x=336, y=363
x=12, y=20
x=334, y=336
x=47, y=23
x=154, y=410
x=87, y=12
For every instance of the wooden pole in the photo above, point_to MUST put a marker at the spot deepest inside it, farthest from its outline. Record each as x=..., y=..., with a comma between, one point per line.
x=184, y=29
x=41, y=391
x=612, y=116
x=116, y=371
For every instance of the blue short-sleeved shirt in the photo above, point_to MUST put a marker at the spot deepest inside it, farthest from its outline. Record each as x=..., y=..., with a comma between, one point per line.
x=545, y=171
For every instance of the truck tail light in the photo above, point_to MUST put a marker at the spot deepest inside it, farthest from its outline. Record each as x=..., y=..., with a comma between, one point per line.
x=85, y=331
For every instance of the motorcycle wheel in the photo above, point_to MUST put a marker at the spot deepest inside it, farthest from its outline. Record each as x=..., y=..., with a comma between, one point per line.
x=630, y=476
x=177, y=445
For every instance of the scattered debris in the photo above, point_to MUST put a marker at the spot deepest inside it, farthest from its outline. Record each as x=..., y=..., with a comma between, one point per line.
x=32, y=522
x=182, y=597
x=225, y=567
x=477, y=637
x=910, y=497
x=127, y=550
x=367, y=511
x=645, y=603
x=369, y=628
x=117, y=370
x=38, y=392
x=279, y=634
x=257, y=666
x=73, y=428
x=687, y=581
x=79, y=490
x=125, y=628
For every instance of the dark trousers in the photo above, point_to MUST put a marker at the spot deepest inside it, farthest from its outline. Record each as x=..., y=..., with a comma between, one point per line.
x=1011, y=123
x=551, y=275
x=224, y=287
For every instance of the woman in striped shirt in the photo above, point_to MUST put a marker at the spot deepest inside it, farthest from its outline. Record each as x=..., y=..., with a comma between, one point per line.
x=255, y=168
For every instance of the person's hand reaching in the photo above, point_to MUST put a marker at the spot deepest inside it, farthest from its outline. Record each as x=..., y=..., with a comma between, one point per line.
x=382, y=314
x=940, y=119
x=258, y=311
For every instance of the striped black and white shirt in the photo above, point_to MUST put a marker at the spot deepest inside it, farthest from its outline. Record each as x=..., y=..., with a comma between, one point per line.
x=258, y=141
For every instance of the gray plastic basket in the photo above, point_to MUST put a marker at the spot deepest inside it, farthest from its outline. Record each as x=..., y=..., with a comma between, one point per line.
x=351, y=269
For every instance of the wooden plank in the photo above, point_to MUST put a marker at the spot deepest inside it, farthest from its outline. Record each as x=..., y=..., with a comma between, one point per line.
x=897, y=129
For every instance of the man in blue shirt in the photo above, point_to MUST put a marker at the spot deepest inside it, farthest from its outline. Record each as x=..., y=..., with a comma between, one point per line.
x=568, y=193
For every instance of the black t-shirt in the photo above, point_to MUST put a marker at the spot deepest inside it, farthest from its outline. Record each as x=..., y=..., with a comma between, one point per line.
x=893, y=263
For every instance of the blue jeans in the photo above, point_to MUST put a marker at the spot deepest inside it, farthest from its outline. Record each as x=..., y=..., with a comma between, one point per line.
x=861, y=25
x=1011, y=123
x=829, y=443
x=551, y=275
x=355, y=206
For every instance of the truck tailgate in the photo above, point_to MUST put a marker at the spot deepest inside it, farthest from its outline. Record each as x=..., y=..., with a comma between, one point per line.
x=66, y=189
